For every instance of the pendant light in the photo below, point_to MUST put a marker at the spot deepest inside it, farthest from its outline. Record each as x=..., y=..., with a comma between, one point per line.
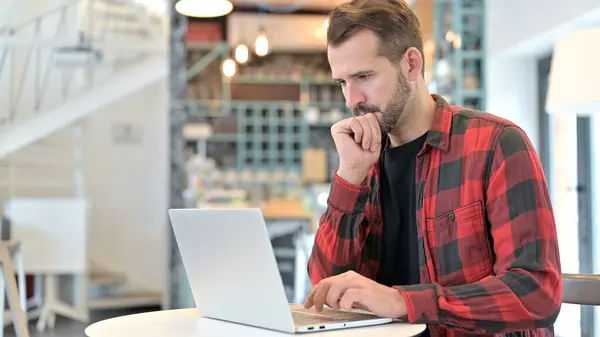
x=261, y=44
x=572, y=86
x=204, y=8
x=241, y=53
x=229, y=68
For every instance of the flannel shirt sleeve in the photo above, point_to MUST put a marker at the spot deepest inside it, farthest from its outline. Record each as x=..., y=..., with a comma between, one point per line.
x=525, y=291
x=340, y=236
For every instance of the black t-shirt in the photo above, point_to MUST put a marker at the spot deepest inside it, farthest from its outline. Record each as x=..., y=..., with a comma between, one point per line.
x=399, y=255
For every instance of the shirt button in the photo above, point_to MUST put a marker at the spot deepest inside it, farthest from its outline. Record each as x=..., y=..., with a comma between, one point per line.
x=452, y=216
x=423, y=317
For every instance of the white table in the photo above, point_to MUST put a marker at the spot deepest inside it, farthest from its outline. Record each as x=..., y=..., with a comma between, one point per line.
x=187, y=323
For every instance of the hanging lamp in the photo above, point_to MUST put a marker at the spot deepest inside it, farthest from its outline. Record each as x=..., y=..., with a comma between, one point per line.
x=204, y=8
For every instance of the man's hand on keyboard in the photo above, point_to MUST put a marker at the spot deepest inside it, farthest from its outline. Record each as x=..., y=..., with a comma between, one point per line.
x=353, y=291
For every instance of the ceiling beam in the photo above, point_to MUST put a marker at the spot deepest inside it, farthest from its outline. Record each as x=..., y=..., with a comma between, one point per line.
x=8, y=13
x=259, y=10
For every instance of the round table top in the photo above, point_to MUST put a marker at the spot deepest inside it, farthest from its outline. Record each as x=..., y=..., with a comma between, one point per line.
x=187, y=322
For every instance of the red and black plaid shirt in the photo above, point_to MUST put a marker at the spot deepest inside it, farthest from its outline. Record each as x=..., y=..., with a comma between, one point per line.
x=488, y=249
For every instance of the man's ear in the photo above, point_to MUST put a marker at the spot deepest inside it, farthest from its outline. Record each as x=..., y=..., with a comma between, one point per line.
x=414, y=61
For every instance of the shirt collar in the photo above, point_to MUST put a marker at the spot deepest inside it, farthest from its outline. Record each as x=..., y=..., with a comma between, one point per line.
x=439, y=132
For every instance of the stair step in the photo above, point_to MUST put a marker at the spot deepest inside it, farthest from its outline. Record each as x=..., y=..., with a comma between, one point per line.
x=126, y=300
x=105, y=278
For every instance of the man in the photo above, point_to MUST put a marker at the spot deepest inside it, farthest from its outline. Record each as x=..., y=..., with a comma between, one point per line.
x=437, y=214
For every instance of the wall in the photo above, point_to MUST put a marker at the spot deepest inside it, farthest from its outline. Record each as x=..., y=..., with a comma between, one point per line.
x=517, y=34
x=527, y=27
x=512, y=91
x=43, y=169
x=128, y=184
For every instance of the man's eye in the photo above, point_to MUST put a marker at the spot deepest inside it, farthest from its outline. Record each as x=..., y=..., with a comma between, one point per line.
x=363, y=77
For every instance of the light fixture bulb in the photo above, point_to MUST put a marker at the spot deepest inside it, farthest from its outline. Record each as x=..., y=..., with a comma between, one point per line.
x=321, y=32
x=204, y=8
x=443, y=68
x=261, y=45
x=229, y=68
x=241, y=53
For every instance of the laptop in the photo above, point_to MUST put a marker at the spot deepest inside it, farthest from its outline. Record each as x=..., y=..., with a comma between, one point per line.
x=233, y=274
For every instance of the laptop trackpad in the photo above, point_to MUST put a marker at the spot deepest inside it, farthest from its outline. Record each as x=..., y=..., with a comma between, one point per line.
x=303, y=316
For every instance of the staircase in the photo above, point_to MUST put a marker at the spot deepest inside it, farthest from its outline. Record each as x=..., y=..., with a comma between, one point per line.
x=99, y=51
x=54, y=82
x=110, y=290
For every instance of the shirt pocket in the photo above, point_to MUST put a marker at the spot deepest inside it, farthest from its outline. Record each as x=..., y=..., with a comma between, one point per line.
x=459, y=245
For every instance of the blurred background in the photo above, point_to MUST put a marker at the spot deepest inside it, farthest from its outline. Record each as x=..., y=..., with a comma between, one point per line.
x=114, y=111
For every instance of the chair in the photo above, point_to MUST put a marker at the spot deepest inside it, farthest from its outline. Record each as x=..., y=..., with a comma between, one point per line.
x=8, y=283
x=582, y=289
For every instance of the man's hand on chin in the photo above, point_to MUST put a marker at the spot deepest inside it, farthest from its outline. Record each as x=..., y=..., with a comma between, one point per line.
x=353, y=291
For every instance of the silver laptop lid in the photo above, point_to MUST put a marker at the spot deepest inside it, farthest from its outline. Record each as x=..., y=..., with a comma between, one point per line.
x=231, y=268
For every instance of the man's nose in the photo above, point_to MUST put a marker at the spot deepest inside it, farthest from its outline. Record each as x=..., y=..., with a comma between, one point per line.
x=353, y=97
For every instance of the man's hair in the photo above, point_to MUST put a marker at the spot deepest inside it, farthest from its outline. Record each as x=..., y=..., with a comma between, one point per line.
x=392, y=21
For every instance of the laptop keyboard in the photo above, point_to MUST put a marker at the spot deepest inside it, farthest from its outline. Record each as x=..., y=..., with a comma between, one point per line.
x=311, y=317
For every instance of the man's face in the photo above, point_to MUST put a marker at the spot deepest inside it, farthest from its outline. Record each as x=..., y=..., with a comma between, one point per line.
x=370, y=82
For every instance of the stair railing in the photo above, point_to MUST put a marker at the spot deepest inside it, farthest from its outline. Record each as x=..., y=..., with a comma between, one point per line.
x=62, y=52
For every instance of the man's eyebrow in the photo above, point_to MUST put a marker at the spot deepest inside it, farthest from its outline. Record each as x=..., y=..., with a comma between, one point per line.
x=355, y=75
x=360, y=73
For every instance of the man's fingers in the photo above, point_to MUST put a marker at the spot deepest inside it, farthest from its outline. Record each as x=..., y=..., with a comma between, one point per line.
x=379, y=117
x=350, y=297
x=336, y=292
x=329, y=291
x=360, y=128
x=349, y=126
x=309, y=302
x=327, y=282
x=321, y=295
x=375, y=132
x=310, y=299
x=360, y=306
x=367, y=137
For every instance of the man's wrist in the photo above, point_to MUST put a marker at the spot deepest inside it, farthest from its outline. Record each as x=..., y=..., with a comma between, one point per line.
x=353, y=176
x=400, y=308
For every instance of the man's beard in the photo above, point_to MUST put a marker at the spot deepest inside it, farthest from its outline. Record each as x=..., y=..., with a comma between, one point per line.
x=394, y=109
